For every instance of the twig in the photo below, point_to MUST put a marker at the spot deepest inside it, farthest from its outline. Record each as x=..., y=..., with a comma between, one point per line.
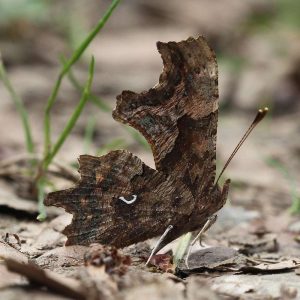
x=64, y=286
x=64, y=171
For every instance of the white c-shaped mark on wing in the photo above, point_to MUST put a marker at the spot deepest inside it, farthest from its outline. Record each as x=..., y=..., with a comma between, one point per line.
x=134, y=197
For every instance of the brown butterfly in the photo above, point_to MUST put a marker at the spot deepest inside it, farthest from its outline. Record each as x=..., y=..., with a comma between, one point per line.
x=121, y=201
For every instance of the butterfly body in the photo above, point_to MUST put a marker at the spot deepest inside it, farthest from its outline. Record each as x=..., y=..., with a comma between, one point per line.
x=178, y=117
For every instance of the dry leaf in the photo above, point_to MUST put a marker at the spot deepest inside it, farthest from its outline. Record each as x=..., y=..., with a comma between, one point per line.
x=253, y=243
x=162, y=262
x=213, y=259
x=273, y=267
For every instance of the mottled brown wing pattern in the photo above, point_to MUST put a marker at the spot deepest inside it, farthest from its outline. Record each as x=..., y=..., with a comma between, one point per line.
x=178, y=117
x=99, y=215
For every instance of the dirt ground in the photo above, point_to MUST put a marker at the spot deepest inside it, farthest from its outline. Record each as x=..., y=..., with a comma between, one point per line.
x=253, y=250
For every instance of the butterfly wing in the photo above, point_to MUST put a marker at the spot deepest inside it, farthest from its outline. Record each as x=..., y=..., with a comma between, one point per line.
x=178, y=117
x=99, y=208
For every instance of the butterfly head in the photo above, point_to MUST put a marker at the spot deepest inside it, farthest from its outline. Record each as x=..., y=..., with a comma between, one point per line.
x=216, y=197
x=222, y=193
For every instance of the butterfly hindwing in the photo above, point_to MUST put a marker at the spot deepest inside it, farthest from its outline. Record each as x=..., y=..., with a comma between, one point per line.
x=98, y=202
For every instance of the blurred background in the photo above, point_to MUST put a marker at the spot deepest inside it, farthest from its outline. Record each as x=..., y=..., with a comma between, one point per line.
x=257, y=43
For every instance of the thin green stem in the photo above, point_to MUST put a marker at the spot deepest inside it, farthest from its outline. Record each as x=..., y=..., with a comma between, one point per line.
x=47, y=121
x=72, y=121
x=88, y=134
x=65, y=69
x=96, y=100
x=20, y=108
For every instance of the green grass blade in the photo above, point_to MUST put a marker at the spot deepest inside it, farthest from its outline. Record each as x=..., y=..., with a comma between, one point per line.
x=88, y=134
x=65, y=69
x=96, y=100
x=73, y=119
x=77, y=54
x=47, y=121
x=20, y=108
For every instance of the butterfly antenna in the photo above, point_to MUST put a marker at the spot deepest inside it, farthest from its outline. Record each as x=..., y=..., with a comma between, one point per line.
x=259, y=117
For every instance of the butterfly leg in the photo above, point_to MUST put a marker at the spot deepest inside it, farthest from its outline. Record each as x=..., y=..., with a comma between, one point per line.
x=210, y=221
x=170, y=227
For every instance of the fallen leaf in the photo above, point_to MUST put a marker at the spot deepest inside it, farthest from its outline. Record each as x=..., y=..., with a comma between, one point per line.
x=112, y=259
x=253, y=243
x=162, y=262
x=271, y=268
x=213, y=259
x=267, y=286
x=222, y=259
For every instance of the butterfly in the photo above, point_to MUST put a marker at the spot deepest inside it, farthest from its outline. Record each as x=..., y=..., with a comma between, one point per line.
x=119, y=200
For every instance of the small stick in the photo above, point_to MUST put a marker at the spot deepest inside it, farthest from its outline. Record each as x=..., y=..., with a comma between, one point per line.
x=18, y=159
x=66, y=286
x=64, y=171
x=170, y=227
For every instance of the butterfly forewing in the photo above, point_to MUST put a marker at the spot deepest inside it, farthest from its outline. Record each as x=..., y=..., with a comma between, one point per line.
x=178, y=116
